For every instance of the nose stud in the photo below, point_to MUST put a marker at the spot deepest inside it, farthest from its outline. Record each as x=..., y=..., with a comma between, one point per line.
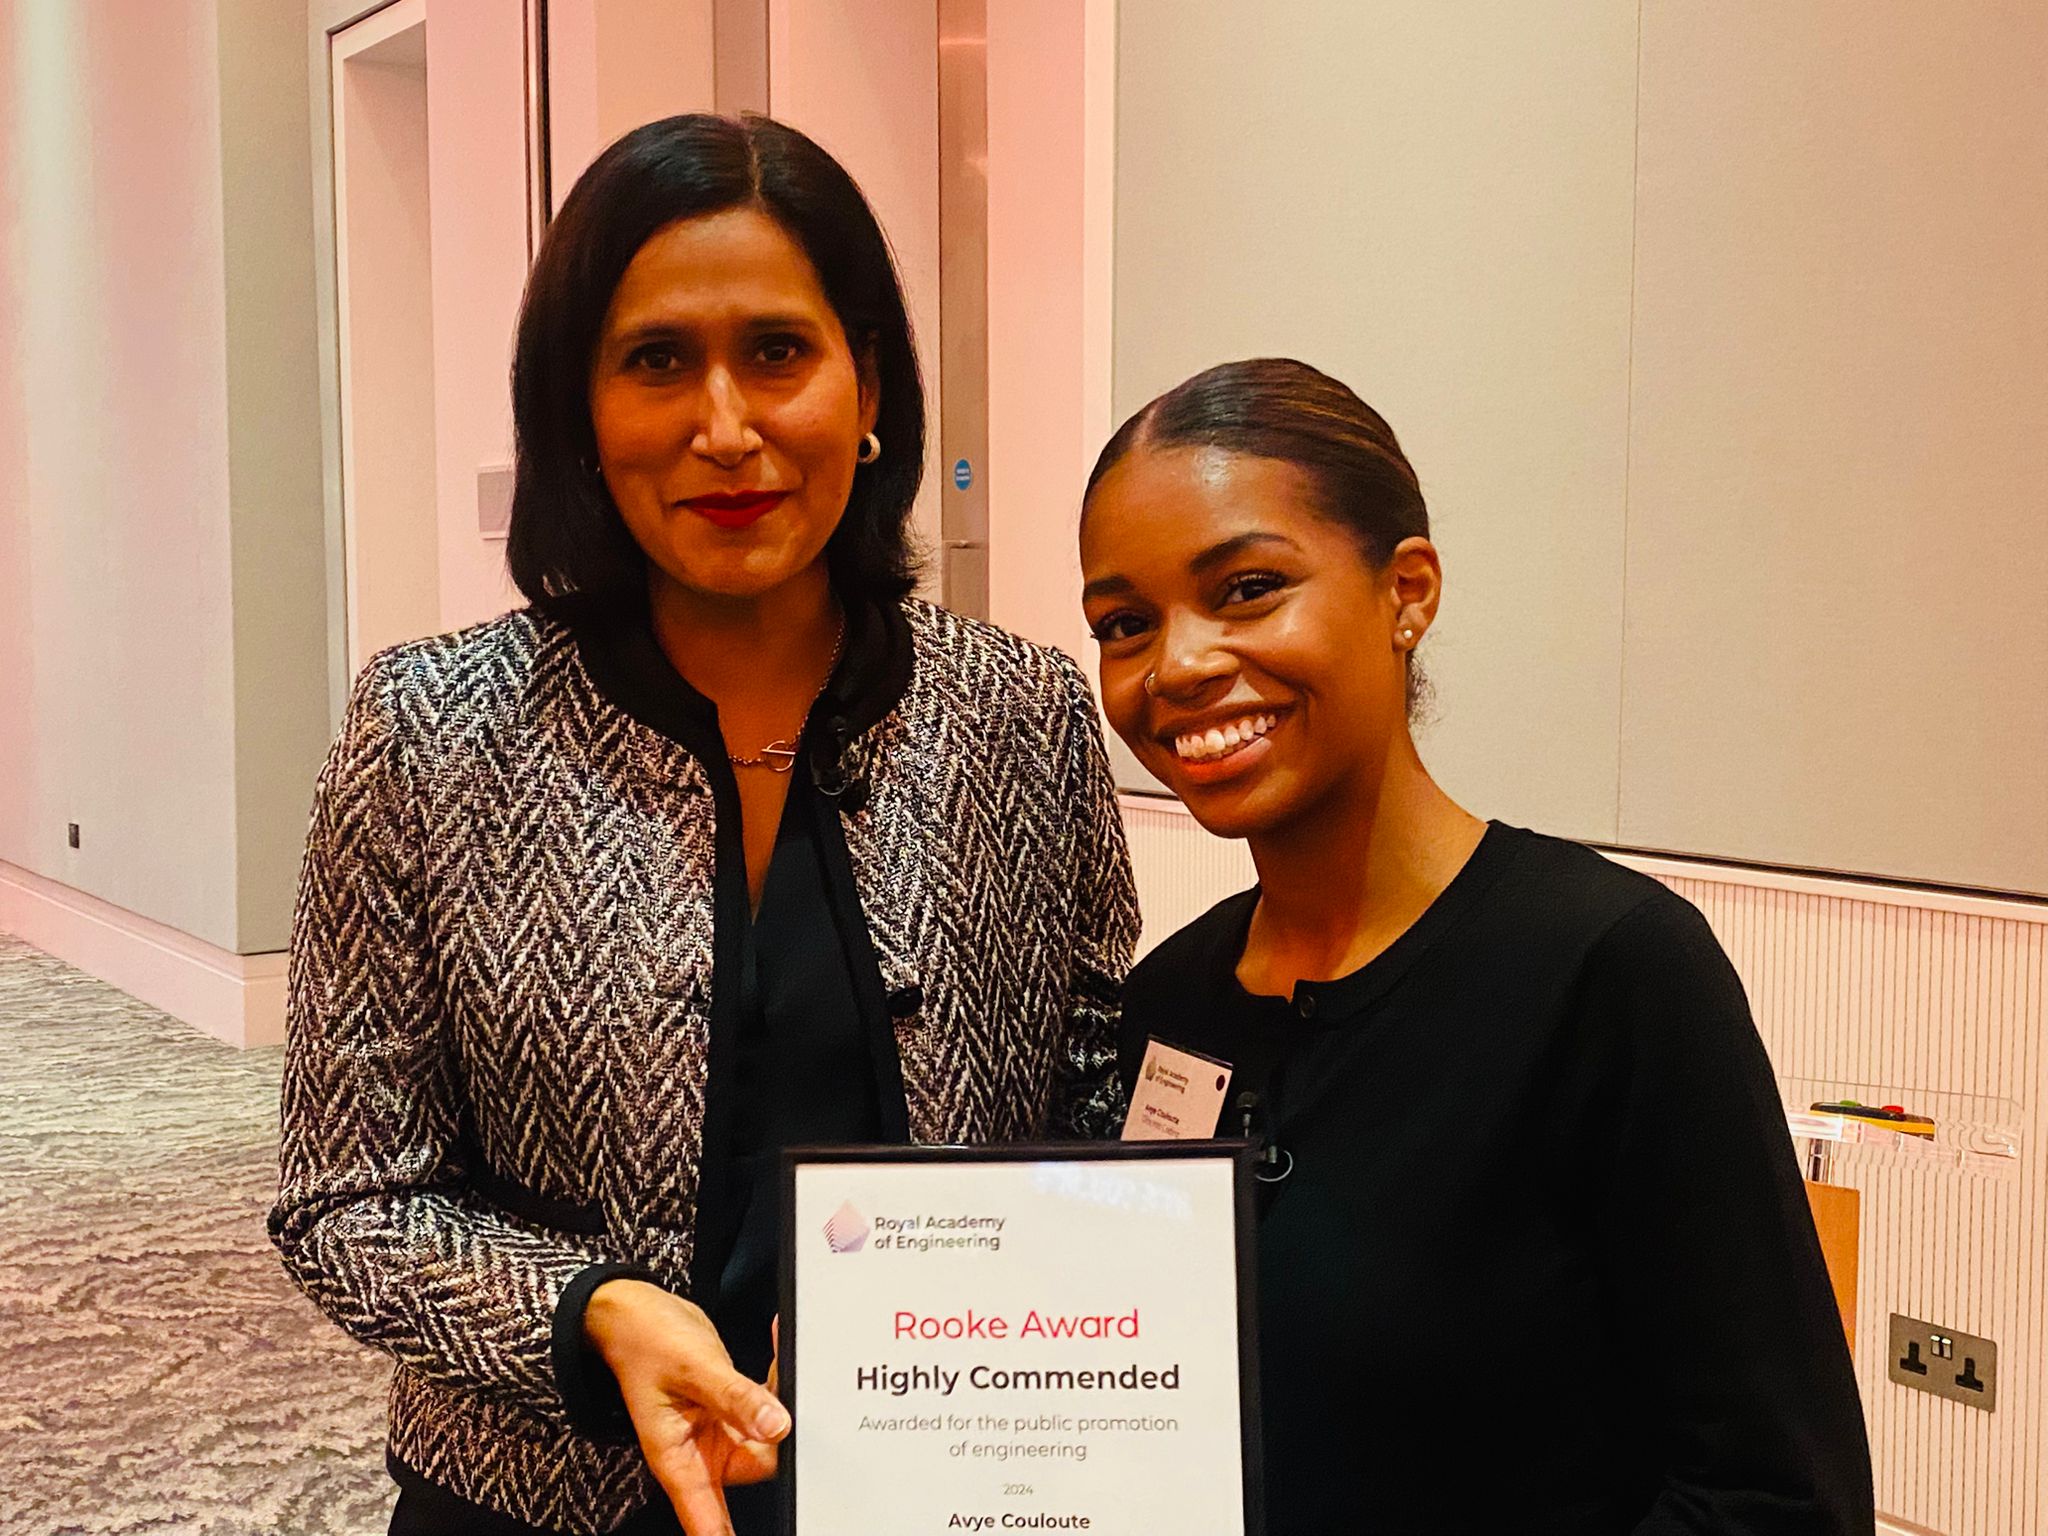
x=1152, y=684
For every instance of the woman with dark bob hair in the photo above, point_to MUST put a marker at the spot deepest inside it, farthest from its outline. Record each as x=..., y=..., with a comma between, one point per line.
x=724, y=844
x=1534, y=1255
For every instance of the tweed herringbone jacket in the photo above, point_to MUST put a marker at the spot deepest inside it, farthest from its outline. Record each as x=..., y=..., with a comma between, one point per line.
x=501, y=963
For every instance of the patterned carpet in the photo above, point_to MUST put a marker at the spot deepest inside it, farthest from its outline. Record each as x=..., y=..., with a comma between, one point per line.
x=158, y=1373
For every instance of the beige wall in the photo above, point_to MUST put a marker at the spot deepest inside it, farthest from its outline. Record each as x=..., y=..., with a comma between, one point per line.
x=1432, y=203
x=154, y=404
x=1838, y=515
x=1716, y=335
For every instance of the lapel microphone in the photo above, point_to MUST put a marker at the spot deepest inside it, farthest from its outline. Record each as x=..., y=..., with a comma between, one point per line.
x=829, y=770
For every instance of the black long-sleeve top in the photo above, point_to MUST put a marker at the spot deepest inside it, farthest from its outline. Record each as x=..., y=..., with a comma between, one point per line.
x=1543, y=1262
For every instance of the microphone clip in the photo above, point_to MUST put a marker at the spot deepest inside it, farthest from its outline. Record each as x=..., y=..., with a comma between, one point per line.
x=1271, y=1162
x=829, y=770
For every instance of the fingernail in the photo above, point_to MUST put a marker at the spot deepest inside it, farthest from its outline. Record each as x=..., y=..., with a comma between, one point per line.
x=771, y=1422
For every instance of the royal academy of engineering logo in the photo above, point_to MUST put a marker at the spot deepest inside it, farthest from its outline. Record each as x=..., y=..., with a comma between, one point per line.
x=846, y=1230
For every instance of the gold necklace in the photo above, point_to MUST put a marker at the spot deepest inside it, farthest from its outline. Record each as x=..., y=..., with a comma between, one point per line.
x=779, y=756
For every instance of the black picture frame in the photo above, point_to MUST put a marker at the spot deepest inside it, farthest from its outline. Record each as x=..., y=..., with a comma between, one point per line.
x=1238, y=1153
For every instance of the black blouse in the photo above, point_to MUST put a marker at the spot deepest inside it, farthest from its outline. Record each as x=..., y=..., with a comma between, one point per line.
x=1541, y=1261
x=804, y=1078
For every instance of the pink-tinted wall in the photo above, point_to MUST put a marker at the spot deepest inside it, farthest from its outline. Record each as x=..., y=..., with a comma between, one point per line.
x=17, y=615
x=864, y=82
x=116, y=644
x=616, y=65
x=139, y=523
x=1047, y=315
x=476, y=127
x=160, y=591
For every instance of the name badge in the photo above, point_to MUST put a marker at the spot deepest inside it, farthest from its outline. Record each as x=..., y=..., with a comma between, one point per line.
x=1179, y=1095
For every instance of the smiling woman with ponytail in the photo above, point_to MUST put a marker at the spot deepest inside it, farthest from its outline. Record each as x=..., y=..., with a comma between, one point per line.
x=1534, y=1252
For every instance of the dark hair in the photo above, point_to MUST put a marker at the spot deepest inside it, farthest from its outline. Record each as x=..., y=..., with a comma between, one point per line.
x=1277, y=408
x=568, y=547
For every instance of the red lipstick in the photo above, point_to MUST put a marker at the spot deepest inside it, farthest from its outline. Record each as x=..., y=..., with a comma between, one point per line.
x=736, y=509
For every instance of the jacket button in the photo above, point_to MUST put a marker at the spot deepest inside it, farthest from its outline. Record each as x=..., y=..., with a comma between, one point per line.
x=905, y=1002
x=1307, y=1005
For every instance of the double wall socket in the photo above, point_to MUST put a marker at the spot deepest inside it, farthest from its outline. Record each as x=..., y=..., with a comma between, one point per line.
x=1942, y=1361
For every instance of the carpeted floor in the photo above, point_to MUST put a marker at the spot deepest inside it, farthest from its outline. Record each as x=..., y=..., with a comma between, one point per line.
x=158, y=1373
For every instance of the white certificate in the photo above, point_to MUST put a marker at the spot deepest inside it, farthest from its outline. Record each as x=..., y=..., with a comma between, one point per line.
x=1020, y=1339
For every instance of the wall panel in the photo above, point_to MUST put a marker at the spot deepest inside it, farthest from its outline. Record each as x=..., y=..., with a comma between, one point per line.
x=117, y=665
x=1433, y=203
x=1719, y=338
x=1837, y=645
x=1927, y=1003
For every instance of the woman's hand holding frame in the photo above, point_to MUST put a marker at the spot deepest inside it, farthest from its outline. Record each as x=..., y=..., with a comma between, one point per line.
x=702, y=1425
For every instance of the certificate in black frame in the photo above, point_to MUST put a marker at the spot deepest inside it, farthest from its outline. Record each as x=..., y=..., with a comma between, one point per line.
x=1239, y=1154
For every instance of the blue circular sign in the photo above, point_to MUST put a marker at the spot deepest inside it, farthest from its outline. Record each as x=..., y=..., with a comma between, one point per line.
x=963, y=474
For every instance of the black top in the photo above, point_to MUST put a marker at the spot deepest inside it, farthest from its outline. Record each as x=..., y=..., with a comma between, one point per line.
x=1544, y=1261
x=802, y=1047
x=804, y=1078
